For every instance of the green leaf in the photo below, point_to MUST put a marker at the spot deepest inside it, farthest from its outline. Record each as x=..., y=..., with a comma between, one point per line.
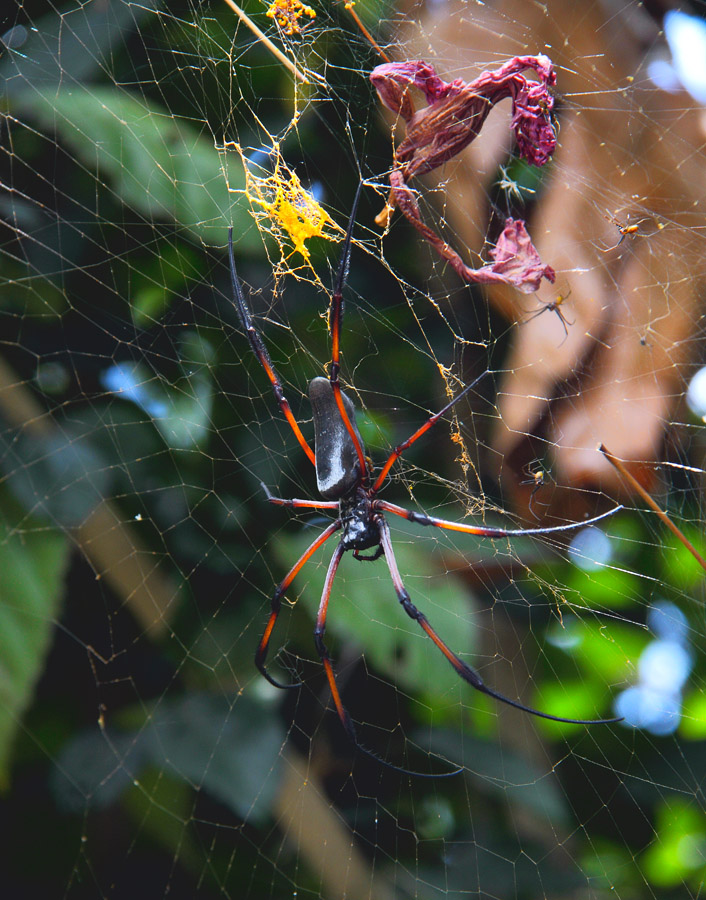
x=72, y=45
x=679, y=847
x=181, y=412
x=147, y=305
x=94, y=768
x=160, y=806
x=608, y=648
x=23, y=290
x=162, y=167
x=166, y=271
x=228, y=747
x=693, y=721
x=571, y=699
x=57, y=474
x=680, y=568
x=607, y=587
x=33, y=566
x=510, y=777
x=611, y=869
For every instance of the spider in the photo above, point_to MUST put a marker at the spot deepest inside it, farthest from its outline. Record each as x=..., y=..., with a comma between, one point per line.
x=644, y=227
x=624, y=230
x=538, y=479
x=555, y=307
x=348, y=485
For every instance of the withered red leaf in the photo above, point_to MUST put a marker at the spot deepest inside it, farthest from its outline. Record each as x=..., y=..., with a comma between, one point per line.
x=452, y=119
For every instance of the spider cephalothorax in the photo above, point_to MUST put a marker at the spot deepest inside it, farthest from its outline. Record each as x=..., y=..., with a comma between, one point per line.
x=360, y=524
x=345, y=482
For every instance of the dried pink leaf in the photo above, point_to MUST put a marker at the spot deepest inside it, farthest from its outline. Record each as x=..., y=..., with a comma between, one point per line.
x=453, y=118
x=516, y=261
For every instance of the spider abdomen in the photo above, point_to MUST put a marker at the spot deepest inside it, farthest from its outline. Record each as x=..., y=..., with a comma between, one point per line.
x=337, y=466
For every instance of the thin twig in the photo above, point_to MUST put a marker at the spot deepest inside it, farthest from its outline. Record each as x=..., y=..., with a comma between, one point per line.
x=616, y=463
x=262, y=37
x=366, y=34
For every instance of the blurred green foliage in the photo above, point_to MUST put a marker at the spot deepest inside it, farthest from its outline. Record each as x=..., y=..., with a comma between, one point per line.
x=117, y=320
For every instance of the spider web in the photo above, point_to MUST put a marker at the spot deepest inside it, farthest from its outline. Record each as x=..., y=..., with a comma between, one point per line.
x=141, y=752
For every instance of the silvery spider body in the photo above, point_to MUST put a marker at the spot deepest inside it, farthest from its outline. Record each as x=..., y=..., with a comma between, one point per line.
x=338, y=475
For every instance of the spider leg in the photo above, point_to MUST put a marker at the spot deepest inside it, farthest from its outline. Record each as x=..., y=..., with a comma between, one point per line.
x=564, y=317
x=430, y=422
x=623, y=235
x=482, y=531
x=358, y=555
x=298, y=504
x=535, y=490
x=564, y=321
x=276, y=603
x=260, y=351
x=537, y=312
x=335, y=319
x=322, y=650
x=465, y=671
x=551, y=307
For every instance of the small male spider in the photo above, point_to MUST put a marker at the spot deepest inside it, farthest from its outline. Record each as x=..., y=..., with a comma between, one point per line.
x=538, y=479
x=555, y=307
x=644, y=227
x=624, y=231
x=347, y=483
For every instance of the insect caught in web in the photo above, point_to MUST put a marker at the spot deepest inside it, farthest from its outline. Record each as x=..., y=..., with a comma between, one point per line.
x=511, y=187
x=349, y=487
x=555, y=307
